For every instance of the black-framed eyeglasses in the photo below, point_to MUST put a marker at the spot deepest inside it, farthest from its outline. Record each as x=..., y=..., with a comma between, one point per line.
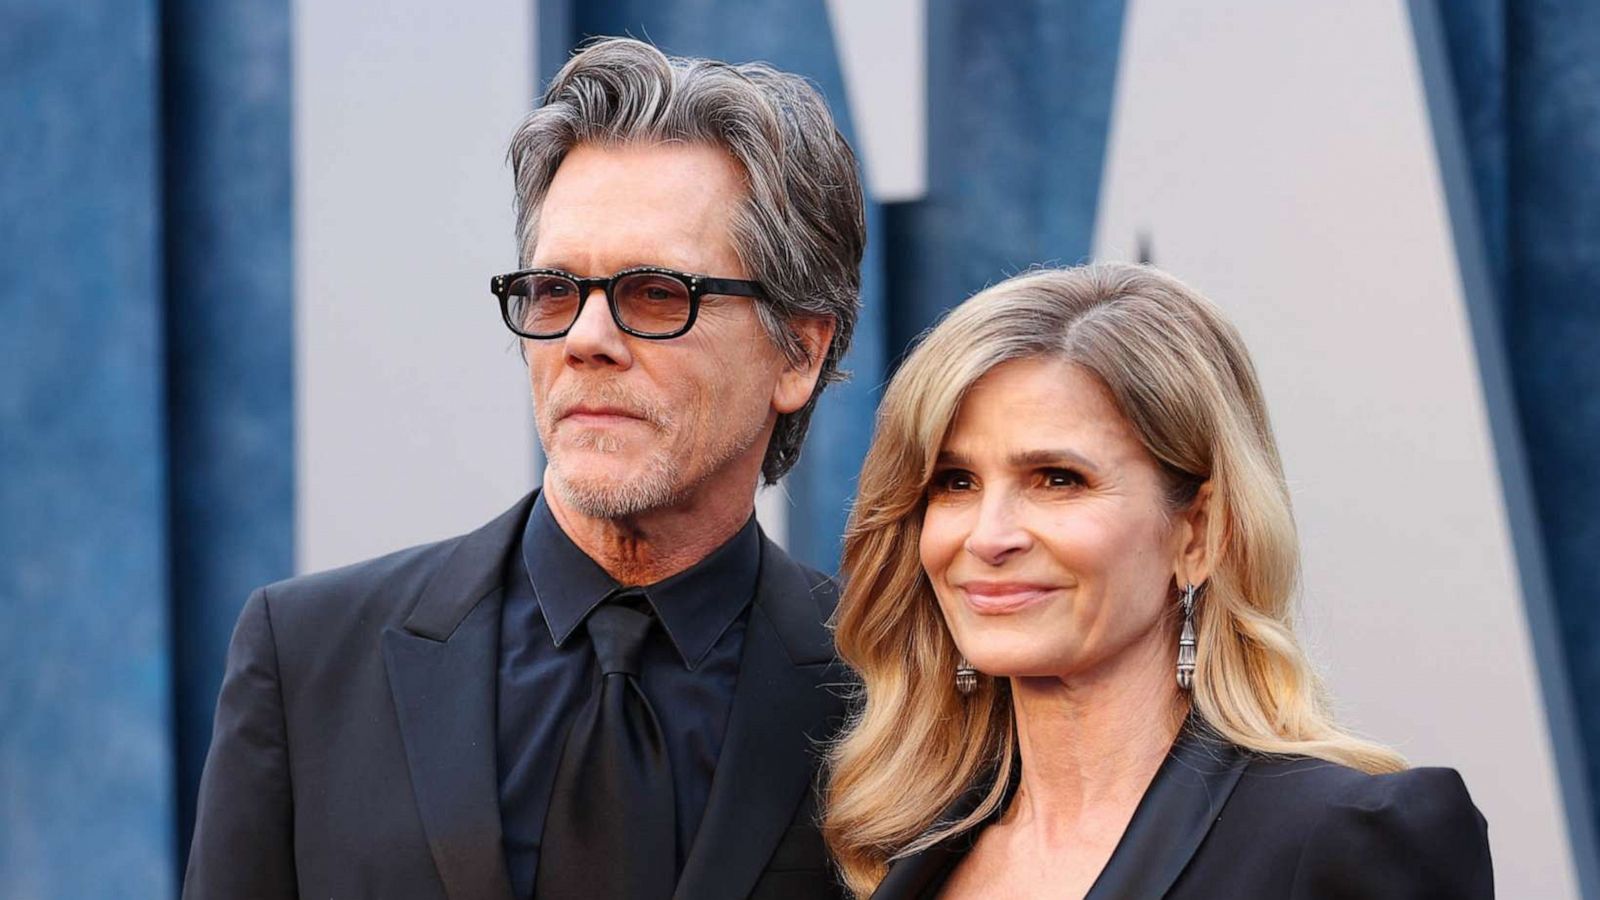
x=645, y=301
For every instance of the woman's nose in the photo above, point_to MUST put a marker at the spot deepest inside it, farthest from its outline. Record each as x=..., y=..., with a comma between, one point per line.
x=997, y=534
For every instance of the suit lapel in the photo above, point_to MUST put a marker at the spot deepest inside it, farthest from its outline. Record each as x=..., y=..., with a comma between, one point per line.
x=1174, y=816
x=441, y=666
x=781, y=710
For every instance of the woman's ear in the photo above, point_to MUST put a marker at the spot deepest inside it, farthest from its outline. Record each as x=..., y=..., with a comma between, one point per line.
x=796, y=383
x=1194, y=562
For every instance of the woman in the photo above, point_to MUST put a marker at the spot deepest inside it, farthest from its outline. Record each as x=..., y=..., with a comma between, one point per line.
x=1068, y=581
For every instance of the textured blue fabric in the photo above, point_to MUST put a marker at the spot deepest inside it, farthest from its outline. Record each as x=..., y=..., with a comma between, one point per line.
x=1551, y=309
x=1019, y=109
x=1527, y=86
x=85, y=739
x=146, y=408
x=229, y=327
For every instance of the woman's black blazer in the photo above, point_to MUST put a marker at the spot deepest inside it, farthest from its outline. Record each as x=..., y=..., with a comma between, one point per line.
x=1219, y=822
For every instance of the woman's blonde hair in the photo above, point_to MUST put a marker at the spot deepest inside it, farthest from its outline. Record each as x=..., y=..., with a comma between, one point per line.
x=1180, y=374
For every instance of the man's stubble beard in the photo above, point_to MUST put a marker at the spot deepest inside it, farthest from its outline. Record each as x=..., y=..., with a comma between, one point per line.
x=651, y=487
x=656, y=484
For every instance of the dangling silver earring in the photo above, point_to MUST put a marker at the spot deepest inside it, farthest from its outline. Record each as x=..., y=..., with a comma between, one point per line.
x=1186, y=642
x=966, y=678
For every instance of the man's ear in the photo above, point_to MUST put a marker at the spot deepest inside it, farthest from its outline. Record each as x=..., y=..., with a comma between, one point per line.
x=797, y=382
x=1194, y=562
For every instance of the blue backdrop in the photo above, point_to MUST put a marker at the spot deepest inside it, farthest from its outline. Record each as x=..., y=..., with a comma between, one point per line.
x=86, y=752
x=146, y=404
x=147, y=462
x=1526, y=85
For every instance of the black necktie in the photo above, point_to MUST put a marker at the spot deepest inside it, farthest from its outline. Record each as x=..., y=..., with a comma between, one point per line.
x=611, y=830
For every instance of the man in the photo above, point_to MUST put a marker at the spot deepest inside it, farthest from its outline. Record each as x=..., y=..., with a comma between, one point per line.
x=615, y=689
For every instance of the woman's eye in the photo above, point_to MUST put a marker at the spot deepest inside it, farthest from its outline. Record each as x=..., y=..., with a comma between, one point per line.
x=1061, y=478
x=951, y=481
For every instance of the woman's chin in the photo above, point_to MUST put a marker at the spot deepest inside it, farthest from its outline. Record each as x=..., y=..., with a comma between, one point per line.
x=1013, y=663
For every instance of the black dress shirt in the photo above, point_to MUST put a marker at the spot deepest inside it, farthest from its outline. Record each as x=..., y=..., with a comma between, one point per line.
x=547, y=671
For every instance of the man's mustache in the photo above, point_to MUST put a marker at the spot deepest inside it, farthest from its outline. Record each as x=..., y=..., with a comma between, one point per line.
x=561, y=402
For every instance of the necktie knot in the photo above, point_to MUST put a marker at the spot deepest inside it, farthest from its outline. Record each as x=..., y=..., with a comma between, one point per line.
x=617, y=629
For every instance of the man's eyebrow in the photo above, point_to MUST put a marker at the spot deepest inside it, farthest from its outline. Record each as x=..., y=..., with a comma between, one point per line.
x=550, y=264
x=634, y=264
x=951, y=458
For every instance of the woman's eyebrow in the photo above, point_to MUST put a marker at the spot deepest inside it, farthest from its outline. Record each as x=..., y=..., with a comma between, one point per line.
x=1024, y=459
x=1050, y=457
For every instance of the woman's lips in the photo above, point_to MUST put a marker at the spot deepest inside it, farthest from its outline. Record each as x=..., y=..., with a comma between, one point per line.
x=998, y=599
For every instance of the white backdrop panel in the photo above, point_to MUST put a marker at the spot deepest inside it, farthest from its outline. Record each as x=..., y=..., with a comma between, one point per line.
x=412, y=410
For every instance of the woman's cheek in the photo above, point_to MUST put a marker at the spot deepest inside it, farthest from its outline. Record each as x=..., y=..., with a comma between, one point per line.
x=940, y=540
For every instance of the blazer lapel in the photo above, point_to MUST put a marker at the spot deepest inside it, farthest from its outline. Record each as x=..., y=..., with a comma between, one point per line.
x=781, y=711
x=441, y=666
x=1174, y=816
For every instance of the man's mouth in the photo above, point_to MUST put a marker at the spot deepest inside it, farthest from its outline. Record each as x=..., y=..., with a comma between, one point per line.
x=600, y=415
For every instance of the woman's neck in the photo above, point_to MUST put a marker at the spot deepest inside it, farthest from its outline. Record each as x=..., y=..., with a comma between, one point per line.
x=1090, y=745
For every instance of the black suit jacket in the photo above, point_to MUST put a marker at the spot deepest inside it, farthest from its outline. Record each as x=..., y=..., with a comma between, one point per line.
x=353, y=753
x=1217, y=822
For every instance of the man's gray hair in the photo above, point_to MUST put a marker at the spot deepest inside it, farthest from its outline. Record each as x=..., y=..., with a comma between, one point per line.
x=801, y=229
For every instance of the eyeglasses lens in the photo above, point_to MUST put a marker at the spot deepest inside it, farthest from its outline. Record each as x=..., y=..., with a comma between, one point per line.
x=650, y=303
x=539, y=305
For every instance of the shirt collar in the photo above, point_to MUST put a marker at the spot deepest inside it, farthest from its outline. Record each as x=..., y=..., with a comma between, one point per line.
x=695, y=606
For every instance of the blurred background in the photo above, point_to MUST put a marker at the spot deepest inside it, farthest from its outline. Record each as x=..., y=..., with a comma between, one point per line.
x=246, y=333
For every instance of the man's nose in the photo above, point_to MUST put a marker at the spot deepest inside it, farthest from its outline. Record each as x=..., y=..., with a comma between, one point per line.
x=594, y=338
